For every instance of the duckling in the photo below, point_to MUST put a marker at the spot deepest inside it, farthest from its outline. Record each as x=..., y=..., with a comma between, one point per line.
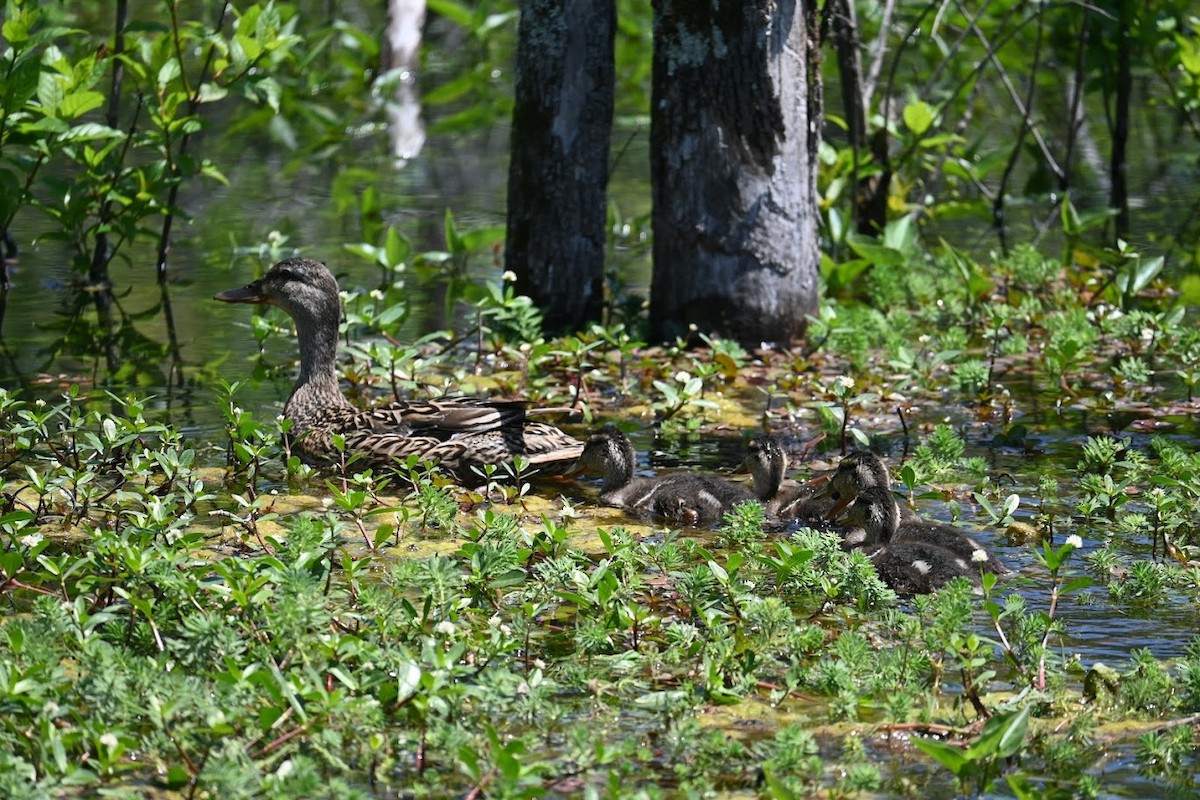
x=462, y=434
x=857, y=471
x=910, y=557
x=686, y=498
x=767, y=463
x=916, y=568
x=865, y=470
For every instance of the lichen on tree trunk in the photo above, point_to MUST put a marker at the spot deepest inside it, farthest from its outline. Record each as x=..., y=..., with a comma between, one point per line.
x=733, y=158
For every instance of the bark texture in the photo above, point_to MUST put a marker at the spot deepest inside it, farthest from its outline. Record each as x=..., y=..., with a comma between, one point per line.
x=558, y=173
x=733, y=157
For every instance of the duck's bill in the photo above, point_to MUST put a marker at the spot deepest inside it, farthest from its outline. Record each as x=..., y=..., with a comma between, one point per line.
x=838, y=507
x=820, y=483
x=250, y=293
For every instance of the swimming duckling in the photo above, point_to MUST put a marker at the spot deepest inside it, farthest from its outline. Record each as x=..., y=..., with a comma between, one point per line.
x=686, y=498
x=914, y=555
x=767, y=463
x=856, y=472
x=864, y=470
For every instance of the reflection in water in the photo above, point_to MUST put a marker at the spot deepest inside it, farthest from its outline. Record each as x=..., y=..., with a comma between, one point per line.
x=401, y=57
x=175, y=378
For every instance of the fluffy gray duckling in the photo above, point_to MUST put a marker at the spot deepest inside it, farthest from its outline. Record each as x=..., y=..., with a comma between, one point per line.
x=767, y=463
x=863, y=470
x=913, y=558
x=856, y=472
x=686, y=498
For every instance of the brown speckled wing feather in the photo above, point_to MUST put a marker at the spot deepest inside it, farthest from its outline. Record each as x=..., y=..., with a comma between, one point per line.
x=459, y=433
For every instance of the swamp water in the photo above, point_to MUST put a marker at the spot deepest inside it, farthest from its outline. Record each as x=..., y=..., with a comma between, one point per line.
x=47, y=345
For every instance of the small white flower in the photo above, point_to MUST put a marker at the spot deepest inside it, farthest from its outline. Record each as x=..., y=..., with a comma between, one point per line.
x=109, y=740
x=1074, y=541
x=569, y=511
x=845, y=381
x=979, y=556
x=445, y=627
x=31, y=539
x=539, y=664
x=376, y=295
x=682, y=377
x=509, y=276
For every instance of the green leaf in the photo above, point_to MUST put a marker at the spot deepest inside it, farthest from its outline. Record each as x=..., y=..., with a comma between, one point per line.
x=16, y=27
x=77, y=104
x=949, y=756
x=22, y=84
x=874, y=253
x=408, y=679
x=396, y=248
x=1075, y=584
x=1013, y=731
x=90, y=130
x=168, y=72
x=918, y=116
x=49, y=92
x=459, y=13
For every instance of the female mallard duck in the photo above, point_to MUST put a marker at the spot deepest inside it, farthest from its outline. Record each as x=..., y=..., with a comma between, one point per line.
x=914, y=557
x=686, y=498
x=462, y=435
x=767, y=463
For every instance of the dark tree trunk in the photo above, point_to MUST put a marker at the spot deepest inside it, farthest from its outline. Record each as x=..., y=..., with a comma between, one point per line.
x=870, y=196
x=1120, y=117
x=733, y=158
x=558, y=174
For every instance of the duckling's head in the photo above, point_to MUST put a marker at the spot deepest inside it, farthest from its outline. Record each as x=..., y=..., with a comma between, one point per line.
x=876, y=512
x=767, y=463
x=609, y=452
x=859, y=470
x=302, y=287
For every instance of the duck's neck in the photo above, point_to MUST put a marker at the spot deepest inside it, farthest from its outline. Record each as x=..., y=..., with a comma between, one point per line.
x=768, y=481
x=618, y=467
x=317, y=387
x=881, y=522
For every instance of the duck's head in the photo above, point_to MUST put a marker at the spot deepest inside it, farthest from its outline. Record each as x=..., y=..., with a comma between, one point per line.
x=856, y=472
x=609, y=452
x=875, y=511
x=860, y=470
x=304, y=288
x=767, y=463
